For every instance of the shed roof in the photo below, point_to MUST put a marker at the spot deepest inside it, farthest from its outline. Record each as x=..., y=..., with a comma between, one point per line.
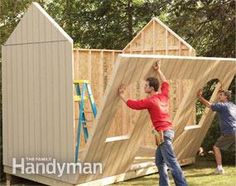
x=37, y=26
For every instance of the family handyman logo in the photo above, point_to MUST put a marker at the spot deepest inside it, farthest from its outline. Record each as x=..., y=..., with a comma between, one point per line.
x=52, y=166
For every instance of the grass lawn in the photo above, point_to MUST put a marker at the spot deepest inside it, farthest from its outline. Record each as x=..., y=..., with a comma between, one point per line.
x=199, y=174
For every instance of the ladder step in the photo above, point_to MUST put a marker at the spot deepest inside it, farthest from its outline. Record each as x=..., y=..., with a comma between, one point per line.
x=81, y=81
x=78, y=98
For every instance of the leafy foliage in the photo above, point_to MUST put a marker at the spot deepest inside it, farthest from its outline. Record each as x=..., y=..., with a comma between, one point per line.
x=94, y=24
x=209, y=25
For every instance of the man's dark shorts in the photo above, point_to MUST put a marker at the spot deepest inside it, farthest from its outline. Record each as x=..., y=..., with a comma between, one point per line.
x=226, y=141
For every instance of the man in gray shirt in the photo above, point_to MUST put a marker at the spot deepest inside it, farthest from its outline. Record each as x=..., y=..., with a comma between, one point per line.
x=226, y=111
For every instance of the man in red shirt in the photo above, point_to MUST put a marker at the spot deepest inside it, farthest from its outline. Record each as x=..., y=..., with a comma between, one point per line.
x=157, y=105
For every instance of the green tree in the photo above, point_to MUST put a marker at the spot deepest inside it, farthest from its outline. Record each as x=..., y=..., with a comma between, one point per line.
x=209, y=25
x=104, y=23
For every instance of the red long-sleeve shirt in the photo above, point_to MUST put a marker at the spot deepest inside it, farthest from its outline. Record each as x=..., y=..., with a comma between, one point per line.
x=157, y=106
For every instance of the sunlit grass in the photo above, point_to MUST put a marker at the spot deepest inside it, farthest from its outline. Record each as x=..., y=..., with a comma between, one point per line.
x=199, y=174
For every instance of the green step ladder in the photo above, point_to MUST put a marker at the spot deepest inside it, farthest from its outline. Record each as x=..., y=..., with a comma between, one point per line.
x=81, y=86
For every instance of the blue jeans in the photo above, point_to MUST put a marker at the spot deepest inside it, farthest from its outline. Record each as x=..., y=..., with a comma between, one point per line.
x=165, y=156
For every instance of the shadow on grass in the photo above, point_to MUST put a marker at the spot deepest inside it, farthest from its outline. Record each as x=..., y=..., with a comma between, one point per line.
x=201, y=163
x=201, y=175
x=151, y=180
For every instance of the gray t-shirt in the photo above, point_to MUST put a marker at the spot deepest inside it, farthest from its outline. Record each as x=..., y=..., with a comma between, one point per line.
x=227, y=115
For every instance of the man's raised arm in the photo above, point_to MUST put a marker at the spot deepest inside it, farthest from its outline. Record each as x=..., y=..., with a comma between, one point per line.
x=157, y=67
x=203, y=100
